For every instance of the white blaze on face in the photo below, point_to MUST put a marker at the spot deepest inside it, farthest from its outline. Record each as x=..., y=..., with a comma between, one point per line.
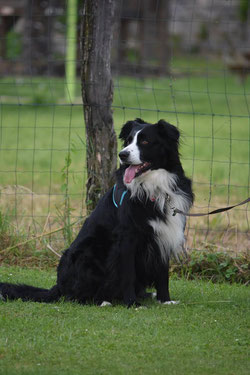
x=134, y=152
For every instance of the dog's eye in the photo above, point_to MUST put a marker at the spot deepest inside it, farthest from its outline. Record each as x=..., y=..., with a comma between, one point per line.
x=144, y=142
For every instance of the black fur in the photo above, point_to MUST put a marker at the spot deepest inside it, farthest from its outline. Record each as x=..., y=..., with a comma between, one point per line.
x=115, y=255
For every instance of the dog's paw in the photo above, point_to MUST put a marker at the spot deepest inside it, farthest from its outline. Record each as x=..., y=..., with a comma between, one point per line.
x=105, y=303
x=170, y=303
x=2, y=298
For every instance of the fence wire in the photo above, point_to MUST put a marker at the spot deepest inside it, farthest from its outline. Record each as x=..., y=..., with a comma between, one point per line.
x=186, y=62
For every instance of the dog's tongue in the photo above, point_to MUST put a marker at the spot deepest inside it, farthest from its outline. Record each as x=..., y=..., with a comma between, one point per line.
x=130, y=173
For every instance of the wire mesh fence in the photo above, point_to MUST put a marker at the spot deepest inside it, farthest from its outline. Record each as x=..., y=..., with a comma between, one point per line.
x=186, y=62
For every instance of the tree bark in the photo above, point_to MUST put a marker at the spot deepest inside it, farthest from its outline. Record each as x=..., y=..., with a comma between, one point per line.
x=97, y=95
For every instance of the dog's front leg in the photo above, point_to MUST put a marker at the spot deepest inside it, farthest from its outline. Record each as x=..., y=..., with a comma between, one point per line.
x=127, y=270
x=162, y=283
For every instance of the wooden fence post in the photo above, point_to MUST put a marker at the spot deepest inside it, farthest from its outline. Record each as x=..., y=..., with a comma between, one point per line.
x=97, y=94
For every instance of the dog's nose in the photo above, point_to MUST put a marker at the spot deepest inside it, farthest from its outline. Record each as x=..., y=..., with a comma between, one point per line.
x=123, y=155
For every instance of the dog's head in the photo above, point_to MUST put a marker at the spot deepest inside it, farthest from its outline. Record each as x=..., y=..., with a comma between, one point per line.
x=148, y=147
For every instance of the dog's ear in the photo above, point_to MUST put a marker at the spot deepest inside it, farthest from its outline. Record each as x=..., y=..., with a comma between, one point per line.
x=167, y=130
x=140, y=121
x=126, y=130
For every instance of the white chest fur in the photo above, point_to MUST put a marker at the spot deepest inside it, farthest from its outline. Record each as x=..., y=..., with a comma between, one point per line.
x=160, y=184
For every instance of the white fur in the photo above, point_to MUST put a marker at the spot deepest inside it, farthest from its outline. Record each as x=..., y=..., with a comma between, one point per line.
x=154, y=295
x=162, y=186
x=171, y=303
x=105, y=303
x=134, y=152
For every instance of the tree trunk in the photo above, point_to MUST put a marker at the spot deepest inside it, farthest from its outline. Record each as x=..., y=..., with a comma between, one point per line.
x=97, y=94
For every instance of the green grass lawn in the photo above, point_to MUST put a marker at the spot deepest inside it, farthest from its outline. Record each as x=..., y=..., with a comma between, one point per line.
x=38, y=129
x=207, y=333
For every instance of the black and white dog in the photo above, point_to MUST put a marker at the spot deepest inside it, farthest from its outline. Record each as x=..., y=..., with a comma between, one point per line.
x=126, y=243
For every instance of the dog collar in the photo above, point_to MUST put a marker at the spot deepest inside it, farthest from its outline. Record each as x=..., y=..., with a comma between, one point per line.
x=118, y=195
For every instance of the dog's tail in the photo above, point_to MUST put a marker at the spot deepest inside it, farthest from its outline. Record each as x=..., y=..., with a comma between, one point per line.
x=28, y=293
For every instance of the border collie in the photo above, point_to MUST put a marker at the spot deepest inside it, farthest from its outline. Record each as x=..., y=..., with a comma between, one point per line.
x=126, y=243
